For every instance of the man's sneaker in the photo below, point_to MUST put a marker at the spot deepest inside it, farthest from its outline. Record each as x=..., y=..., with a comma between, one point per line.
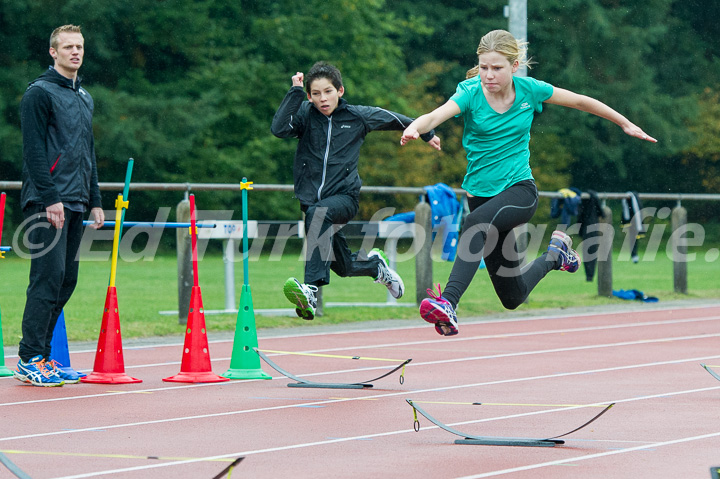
x=70, y=377
x=440, y=312
x=303, y=296
x=561, y=244
x=387, y=276
x=37, y=372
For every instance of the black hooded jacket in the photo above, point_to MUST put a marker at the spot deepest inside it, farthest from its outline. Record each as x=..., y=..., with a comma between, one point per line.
x=326, y=160
x=58, y=145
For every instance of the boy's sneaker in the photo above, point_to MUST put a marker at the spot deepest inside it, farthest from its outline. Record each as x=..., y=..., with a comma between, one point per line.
x=70, y=377
x=37, y=372
x=387, y=276
x=561, y=244
x=440, y=312
x=303, y=296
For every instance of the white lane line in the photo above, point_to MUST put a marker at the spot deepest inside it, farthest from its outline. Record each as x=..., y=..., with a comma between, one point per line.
x=416, y=364
x=467, y=338
x=410, y=430
x=592, y=456
x=331, y=401
x=524, y=334
x=470, y=322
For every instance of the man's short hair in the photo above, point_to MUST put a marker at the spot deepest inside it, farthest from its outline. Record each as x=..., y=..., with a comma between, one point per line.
x=324, y=70
x=65, y=28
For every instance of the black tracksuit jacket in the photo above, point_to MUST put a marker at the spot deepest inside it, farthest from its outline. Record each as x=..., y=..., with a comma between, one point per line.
x=58, y=144
x=326, y=159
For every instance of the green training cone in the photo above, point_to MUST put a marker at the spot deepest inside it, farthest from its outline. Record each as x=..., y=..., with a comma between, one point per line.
x=245, y=363
x=4, y=371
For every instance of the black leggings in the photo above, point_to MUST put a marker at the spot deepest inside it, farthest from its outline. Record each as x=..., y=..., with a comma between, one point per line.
x=488, y=233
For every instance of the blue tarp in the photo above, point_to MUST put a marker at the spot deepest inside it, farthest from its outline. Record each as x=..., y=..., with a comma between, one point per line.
x=446, y=212
x=634, y=294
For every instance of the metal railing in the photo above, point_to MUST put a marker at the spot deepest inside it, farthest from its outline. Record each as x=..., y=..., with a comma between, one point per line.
x=423, y=220
x=390, y=190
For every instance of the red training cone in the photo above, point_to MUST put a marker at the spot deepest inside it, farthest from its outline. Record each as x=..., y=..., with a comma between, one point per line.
x=109, y=364
x=195, y=366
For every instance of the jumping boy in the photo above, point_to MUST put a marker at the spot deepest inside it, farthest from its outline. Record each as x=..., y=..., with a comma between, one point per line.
x=327, y=183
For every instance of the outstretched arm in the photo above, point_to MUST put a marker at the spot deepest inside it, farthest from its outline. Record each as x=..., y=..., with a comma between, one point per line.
x=429, y=121
x=585, y=103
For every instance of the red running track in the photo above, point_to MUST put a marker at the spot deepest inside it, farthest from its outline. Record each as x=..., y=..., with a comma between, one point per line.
x=539, y=376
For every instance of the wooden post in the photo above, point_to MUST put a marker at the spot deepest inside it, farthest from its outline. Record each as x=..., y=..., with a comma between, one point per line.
x=423, y=259
x=184, y=262
x=604, y=262
x=679, y=221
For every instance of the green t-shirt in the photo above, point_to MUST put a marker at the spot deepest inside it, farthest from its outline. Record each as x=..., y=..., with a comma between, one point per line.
x=497, y=144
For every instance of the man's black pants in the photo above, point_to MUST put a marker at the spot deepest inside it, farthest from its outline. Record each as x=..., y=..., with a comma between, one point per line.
x=53, y=276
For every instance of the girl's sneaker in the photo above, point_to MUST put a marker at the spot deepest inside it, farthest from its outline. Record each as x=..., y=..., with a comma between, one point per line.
x=440, y=312
x=561, y=244
x=303, y=296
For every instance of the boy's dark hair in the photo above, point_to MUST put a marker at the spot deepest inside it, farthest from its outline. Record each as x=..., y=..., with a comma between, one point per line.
x=323, y=70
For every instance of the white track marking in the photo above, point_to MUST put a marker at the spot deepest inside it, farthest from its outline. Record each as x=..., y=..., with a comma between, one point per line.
x=410, y=430
x=592, y=456
x=384, y=395
x=416, y=364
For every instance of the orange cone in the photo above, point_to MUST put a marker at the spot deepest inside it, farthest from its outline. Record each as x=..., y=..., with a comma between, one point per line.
x=195, y=366
x=109, y=364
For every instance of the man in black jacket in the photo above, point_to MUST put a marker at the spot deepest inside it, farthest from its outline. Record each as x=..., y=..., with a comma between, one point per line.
x=60, y=183
x=327, y=183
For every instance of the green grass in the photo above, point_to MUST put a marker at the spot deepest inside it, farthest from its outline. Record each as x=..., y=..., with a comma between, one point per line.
x=146, y=287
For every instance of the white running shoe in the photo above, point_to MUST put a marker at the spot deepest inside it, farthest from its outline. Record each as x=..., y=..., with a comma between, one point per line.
x=387, y=276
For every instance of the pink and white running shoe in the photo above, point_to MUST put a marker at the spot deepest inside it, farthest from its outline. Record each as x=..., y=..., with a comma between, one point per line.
x=440, y=312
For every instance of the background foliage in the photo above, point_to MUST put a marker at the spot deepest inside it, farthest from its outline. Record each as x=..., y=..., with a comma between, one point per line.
x=188, y=87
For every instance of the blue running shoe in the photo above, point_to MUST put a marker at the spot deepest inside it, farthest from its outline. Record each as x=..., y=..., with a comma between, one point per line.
x=303, y=296
x=37, y=372
x=70, y=377
x=440, y=312
x=386, y=275
x=561, y=244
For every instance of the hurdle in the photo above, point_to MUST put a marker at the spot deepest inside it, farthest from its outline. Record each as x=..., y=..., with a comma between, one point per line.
x=503, y=441
x=230, y=232
x=195, y=366
x=109, y=366
x=152, y=224
x=243, y=363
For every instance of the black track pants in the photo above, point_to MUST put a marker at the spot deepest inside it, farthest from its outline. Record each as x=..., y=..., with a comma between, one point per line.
x=53, y=276
x=488, y=233
x=327, y=248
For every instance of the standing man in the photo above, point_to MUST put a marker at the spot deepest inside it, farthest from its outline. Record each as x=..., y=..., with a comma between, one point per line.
x=60, y=183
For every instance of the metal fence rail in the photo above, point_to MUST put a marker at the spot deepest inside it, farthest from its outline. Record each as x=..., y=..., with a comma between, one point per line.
x=389, y=190
x=423, y=223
